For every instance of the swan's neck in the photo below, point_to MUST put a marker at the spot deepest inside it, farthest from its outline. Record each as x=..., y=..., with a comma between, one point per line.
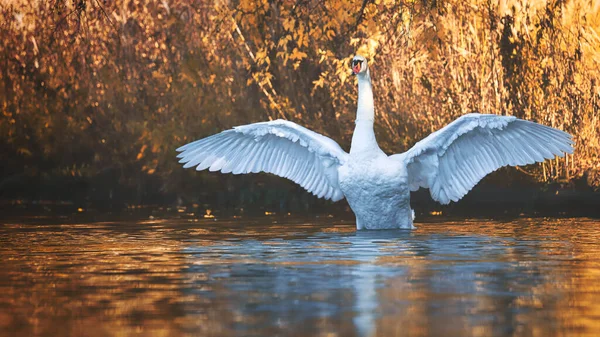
x=363, y=138
x=366, y=109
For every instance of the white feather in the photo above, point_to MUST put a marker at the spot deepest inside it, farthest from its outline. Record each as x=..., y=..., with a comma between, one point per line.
x=475, y=145
x=279, y=147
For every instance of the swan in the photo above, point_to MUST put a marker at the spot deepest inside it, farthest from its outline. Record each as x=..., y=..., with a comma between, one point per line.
x=449, y=162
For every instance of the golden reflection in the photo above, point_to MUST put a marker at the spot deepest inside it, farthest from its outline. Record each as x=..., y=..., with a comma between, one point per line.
x=562, y=299
x=82, y=275
x=339, y=229
x=160, y=277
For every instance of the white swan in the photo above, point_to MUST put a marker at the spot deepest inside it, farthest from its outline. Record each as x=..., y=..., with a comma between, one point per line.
x=449, y=162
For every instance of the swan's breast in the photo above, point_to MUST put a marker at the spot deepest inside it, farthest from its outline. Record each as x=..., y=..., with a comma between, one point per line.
x=377, y=191
x=369, y=177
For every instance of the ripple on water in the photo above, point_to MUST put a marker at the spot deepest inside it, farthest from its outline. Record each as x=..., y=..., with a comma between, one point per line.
x=299, y=277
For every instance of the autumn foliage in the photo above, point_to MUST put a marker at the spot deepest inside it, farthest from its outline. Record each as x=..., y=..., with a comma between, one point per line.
x=89, y=86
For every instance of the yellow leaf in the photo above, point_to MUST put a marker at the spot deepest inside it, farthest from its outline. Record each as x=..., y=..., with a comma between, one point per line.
x=298, y=55
x=288, y=24
x=141, y=153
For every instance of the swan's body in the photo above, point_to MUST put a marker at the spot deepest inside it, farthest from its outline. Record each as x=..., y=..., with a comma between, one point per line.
x=449, y=162
x=376, y=189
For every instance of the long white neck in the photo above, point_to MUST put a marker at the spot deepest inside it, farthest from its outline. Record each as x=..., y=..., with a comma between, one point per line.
x=363, y=138
x=366, y=108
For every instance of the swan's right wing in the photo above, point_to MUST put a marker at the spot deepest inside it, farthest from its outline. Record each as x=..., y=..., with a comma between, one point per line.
x=279, y=147
x=453, y=159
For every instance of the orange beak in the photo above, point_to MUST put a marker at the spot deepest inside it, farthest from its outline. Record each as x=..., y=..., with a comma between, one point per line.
x=356, y=68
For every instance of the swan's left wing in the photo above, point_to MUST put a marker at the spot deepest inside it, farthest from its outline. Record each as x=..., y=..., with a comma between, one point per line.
x=452, y=160
x=280, y=147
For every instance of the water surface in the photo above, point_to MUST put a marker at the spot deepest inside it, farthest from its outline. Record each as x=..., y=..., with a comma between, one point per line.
x=298, y=277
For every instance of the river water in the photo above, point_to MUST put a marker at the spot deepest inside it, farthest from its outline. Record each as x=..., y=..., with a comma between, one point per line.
x=287, y=276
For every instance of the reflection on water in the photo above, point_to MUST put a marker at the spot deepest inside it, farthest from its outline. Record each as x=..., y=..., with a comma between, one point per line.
x=530, y=277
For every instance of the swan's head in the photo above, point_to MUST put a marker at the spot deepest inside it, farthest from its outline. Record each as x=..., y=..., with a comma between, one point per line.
x=359, y=65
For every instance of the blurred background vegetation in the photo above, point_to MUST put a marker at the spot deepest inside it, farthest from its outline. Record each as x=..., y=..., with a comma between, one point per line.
x=96, y=94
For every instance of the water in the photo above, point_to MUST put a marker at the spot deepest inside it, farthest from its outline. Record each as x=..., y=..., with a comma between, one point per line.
x=293, y=277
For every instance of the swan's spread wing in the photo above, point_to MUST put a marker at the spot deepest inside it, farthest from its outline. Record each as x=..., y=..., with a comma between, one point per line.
x=453, y=159
x=279, y=147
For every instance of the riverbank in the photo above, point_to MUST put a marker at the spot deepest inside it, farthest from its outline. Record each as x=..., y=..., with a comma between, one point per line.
x=257, y=196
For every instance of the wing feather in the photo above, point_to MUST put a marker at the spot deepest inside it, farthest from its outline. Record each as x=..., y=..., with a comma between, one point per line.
x=534, y=149
x=278, y=147
x=258, y=158
x=287, y=162
x=234, y=166
x=236, y=155
x=452, y=160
